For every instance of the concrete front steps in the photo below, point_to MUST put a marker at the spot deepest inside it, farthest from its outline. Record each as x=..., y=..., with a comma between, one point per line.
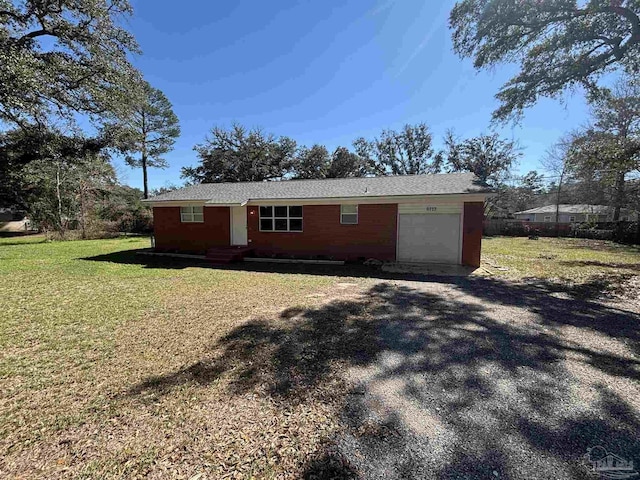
x=224, y=255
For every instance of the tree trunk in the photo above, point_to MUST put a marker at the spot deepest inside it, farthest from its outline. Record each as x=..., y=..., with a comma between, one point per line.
x=144, y=175
x=618, y=200
x=558, y=204
x=59, y=200
x=83, y=225
x=144, y=157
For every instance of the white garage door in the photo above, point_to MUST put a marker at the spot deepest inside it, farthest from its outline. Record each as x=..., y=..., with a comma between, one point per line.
x=429, y=238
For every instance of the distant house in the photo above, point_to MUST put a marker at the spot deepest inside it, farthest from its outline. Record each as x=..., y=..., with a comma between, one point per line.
x=573, y=214
x=12, y=221
x=412, y=218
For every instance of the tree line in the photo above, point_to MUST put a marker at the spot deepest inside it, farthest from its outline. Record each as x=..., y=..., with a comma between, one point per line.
x=64, y=180
x=238, y=154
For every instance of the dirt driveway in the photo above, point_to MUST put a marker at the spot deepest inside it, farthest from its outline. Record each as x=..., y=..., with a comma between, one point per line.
x=483, y=378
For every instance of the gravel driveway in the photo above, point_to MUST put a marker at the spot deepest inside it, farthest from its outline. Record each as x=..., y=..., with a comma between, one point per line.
x=481, y=378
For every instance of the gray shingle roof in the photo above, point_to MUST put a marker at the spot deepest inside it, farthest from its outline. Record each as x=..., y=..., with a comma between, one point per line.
x=599, y=209
x=237, y=193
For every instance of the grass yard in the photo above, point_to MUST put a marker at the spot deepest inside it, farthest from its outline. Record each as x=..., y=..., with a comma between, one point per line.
x=102, y=362
x=572, y=259
x=113, y=368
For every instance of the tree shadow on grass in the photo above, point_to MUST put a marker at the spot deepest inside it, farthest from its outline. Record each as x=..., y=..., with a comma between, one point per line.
x=133, y=257
x=470, y=378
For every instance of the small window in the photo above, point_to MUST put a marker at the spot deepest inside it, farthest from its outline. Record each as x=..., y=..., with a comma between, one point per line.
x=281, y=218
x=572, y=218
x=547, y=218
x=191, y=214
x=349, y=214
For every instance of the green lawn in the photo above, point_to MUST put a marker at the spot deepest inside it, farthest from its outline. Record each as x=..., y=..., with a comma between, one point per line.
x=83, y=334
x=577, y=260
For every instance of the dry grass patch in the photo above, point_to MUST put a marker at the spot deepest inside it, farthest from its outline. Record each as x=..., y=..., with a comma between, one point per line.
x=590, y=266
x=115, y=370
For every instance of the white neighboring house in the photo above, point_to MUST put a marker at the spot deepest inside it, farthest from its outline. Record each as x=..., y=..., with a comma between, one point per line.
x=573, y=214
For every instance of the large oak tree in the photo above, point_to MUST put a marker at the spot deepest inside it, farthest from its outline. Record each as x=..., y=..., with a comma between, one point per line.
x=489, y=157
x=241, y=155
x=60, y=57
x=558, y=44
x=317, y=162
x=405, y=152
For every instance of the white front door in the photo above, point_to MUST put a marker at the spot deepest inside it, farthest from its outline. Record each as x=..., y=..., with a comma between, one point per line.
x=429, y=238
x=238, y=225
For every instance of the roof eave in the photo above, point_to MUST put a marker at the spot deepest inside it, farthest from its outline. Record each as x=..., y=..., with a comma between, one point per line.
x=371, y=198
x=476, y=196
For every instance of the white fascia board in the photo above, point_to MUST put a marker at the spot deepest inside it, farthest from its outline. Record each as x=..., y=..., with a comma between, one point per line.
x=435, y=199
x=177, y=203
x=185, y=203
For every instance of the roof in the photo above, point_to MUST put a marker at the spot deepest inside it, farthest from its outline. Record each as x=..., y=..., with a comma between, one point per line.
x=402, y=185
x=599, y=209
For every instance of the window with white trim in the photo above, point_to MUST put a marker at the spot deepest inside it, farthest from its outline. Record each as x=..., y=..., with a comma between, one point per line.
x=547, y=218
x=192, y=214
x=349, y=214
x=572, y=218
x=281, y=218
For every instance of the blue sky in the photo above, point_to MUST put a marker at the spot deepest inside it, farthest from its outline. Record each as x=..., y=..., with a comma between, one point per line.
x=323, y=72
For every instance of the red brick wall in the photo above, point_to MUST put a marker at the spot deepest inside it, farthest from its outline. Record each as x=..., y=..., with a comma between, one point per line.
x=323, y=234
x=472, y=233
x=171, y=234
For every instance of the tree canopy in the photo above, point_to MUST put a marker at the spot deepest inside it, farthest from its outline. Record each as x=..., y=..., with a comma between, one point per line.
x=558, y=44
x=405, y=152
x=312, y=163
x=317, y=162
x=345, y=163
x=489, y=157
x=64, y=56
x=54, y=176
x=20, y=147
x=241, y=155
x=608, y=150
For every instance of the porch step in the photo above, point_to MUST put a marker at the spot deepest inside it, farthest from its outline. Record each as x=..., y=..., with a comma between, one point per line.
x=224, y=255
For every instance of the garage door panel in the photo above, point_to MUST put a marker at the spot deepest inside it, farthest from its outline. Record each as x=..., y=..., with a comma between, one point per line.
x=429, y=238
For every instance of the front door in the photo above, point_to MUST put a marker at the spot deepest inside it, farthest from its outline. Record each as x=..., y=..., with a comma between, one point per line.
x=239, y=226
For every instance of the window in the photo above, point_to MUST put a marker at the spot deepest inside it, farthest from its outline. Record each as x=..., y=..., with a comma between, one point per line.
x=281, y=218
x=349, y=214
x=547, y=218
x=572, y=218
x=191, y=214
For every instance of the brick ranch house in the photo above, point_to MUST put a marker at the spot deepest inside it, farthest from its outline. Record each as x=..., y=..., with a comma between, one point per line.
x=414, y=218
